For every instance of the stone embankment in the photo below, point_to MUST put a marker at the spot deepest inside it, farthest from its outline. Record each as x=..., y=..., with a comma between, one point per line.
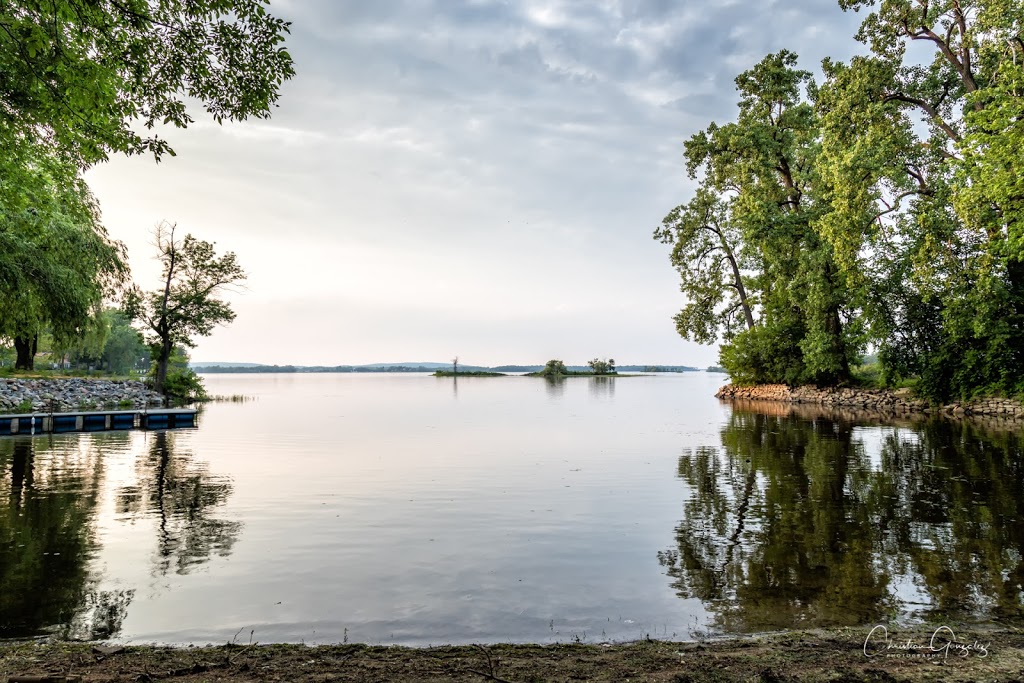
x=69, y=395
x=899, y=401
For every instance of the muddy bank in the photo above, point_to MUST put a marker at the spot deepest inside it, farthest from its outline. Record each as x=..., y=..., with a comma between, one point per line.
x=839, y=655
x=898, y=402
x=72, y=394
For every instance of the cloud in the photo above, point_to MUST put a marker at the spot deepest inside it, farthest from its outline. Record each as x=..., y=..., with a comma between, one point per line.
x=464, y=165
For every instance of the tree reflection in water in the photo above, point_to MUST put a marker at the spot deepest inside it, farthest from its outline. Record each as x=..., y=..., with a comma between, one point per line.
x=812, y=520
x=183, y=496
x=48, y=509
x=50, y=494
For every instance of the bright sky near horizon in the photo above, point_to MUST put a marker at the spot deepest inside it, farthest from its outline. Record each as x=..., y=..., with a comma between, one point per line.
x=477, y=178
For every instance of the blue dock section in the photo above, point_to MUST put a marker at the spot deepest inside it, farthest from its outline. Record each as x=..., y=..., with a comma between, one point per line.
x=97, y=421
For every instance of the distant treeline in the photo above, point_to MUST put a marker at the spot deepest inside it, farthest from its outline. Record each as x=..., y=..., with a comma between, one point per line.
x=213, y=369
x=226, y=369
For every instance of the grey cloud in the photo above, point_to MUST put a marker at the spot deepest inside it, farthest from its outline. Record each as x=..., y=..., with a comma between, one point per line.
x=531, y=157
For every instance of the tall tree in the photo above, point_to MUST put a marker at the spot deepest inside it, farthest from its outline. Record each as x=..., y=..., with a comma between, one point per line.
x=88, y=77
x=57, y=264
x=754, y=267
x=923, y=157
x=187, y=305
x=707, y=253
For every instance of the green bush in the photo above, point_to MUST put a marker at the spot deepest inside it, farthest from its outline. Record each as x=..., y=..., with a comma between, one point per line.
x=183, y=385
x=764, y=356
x=554, y=368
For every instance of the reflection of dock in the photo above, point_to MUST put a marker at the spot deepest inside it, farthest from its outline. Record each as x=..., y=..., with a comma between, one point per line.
x=97, y=421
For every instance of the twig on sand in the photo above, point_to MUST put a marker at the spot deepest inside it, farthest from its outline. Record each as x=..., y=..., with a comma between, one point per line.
x=491, y=666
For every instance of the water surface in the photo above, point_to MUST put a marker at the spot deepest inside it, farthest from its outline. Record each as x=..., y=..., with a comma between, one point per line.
x=398, y=508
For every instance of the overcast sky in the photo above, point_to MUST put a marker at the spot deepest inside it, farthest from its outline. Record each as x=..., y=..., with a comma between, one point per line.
x=463, y=177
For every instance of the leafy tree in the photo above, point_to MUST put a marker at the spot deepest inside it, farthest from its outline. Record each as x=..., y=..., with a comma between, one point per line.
x=181, y=382
x=754, y=267
x=188, y=303
x=116, y=347
x=927, y=206
x=554, y=369
x=602, y=367
x=57, y=266
x=125, y=349
x=82, y=80
x=87, y=78
x=706, y=250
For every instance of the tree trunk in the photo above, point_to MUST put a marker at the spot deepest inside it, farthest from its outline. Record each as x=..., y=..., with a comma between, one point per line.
x=1015, y=274
x=161, y=367
x=738, y=282
x=835, y=329
x=26, y=350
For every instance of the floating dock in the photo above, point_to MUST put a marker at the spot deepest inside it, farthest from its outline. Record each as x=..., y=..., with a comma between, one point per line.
x=97, y=421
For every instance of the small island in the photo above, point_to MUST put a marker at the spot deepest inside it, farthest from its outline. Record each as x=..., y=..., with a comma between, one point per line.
x=454, y=372
x=468, y=373
x=555, y=369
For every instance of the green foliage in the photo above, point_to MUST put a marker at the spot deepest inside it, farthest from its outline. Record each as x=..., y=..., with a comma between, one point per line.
x=928, y=203
x=180, y=383
x=114, y=346
x=553, y=369
x=82, y=80
x=755, y=269
x=602, y=367
x=90, y=78
x=57, y=264
x=183, y=385
x=125, y=349
x=884, y=208
x=187, y=303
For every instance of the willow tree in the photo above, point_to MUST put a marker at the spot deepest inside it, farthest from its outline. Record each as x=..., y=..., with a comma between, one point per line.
x=754, y=267
x=923, y=154
x=57, y=266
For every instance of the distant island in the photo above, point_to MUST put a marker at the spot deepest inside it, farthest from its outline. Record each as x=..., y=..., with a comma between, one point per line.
x=425, y=367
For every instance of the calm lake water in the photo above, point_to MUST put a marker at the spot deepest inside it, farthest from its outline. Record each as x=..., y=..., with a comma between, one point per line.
x=400, y=508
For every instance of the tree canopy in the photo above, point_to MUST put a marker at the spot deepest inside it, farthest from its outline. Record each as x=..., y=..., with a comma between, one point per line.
x=80, y=80
x=88, y=78
x=880, y=209
x=187, y=304
x=57, y=266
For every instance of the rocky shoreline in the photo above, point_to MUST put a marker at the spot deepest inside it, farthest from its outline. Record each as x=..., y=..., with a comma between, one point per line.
x=74, y=394
x=896, y=402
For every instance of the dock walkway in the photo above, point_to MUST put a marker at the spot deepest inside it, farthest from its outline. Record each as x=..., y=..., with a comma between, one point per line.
x=96, y=421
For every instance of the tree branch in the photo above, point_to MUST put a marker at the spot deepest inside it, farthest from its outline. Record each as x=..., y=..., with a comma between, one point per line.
x=929, y=109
